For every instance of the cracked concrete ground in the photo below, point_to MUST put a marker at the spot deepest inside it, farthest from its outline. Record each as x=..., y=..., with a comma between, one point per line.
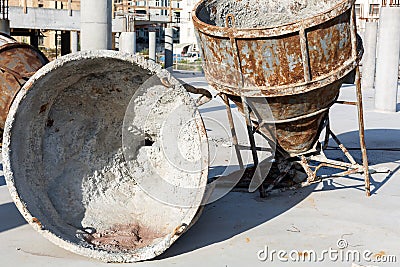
x=233, y=230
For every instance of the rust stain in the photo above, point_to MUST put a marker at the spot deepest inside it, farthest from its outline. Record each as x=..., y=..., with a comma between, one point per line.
x=18, y=62
x=180, y=229
x=43, y=108
x=36, y=221
x=122, y=237
x=247, y=240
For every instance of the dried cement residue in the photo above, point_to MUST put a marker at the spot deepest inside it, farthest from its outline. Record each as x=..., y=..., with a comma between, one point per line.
x=85, y=189
x=94, y=182
x=262, y=14
x=122, y=237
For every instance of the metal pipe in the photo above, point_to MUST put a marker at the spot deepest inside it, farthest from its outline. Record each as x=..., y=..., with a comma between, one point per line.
x=361, y=132
x=304, y=55
x=233, y=130
x=257, y=177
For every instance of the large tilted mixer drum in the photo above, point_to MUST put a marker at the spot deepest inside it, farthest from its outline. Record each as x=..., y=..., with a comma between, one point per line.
x=295, y=54
x=92, y=153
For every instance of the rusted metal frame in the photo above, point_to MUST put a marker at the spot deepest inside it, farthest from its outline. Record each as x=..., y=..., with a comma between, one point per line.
x=310, y=174
x=249, y=124
x=233, y=130
x=360, y=105
x=252, y=144
x=327, y=133
x=323, y=164
x=274, y=91
x=257, y=148
x=347, y=103
x=343, y=148
x=362, y=134
x=340, y=164
x=274, y=31
x=295, y=118
x=304, y=55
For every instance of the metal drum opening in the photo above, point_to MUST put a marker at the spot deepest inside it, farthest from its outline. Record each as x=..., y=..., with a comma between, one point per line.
x=65, y=164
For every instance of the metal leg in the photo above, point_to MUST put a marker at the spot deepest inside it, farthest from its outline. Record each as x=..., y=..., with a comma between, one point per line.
x=361, y=132
x=343, y=148
x=327, y=134
x=233, y=131
x=253, y=146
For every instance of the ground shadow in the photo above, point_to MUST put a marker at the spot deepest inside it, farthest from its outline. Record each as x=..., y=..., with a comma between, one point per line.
x=383, y=146
x=10, y=217
x=238, y=212
x=232, y=215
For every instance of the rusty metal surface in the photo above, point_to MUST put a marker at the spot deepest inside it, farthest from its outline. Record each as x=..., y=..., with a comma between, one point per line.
x=277, y=61
x=300, y=135
x=298, y=67
x=18, y=62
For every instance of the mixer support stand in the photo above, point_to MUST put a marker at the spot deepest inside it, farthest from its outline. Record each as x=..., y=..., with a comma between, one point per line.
x=257, y=171
x=233, y=131
x=361, y=131
x=349, y=168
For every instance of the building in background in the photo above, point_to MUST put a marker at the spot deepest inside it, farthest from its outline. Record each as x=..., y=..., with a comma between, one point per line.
x=139, y=16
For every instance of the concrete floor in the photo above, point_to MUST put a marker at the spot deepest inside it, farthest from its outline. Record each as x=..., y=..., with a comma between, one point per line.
x=233, y=230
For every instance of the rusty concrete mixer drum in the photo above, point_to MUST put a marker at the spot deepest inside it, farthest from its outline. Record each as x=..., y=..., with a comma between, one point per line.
x=106, y=155
x=18, y=62
x=294, y=54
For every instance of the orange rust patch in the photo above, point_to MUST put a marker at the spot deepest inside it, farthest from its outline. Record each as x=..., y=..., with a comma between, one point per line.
x=36, y=221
